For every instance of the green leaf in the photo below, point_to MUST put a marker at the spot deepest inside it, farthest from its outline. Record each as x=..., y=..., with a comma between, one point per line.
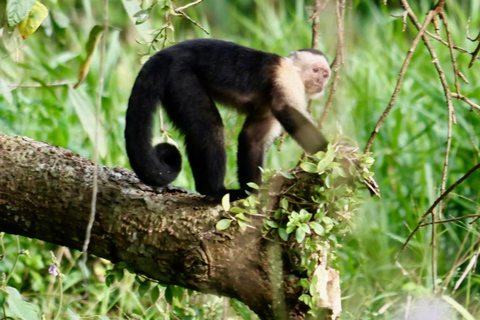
x=241, y=309
x=93, y=39
x=109, y=278
x=169, y=295
x=308, y=167
x=305, y=216
x=226, y=202
x=72, y=315
x=271, y=224
x=253, y=185
x=18, y=307
x=283, y=234
x=299, y=235
x=142, y=16
x=287, y=175
x=290, y=228
x=103, y=318
x=155, y=294
x=237, y=210
x=305, y=228
x=317, y=228
x=243, y=225
x=304, y=283
x=33, y=20
x=17, y=10
x=143, y=288
x=242, y=217
x=284, y=203
x=305, y=298
x=223, y=224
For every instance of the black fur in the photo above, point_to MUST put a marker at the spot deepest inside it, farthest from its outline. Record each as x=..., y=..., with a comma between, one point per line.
x=186, y=79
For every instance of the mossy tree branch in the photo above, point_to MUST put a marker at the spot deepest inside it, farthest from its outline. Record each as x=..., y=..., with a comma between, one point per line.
x=167, y=235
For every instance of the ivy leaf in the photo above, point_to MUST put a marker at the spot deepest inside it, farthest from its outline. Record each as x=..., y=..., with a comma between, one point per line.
x=305, y=216
x=304, y=283
x=226, y=202
x=317, y=228
x=299, y=235
x=253, y=185
x=237, y=210
x=17, y=10
x=143, y=288
x=243, y=225
x=286, y=175
x=223, y=224
x=169, y=295
x=33, y=20
x=305, y=298
x=283, y=234
x=305, y=228
x=309, y=167
x=290, y=228
x=155, y=294
x=242, y=217
x=271, y=224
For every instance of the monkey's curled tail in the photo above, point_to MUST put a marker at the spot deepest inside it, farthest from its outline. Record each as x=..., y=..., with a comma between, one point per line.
x=155, y=166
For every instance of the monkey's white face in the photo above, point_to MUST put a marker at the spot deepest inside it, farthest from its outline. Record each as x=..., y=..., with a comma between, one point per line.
x=313, y=70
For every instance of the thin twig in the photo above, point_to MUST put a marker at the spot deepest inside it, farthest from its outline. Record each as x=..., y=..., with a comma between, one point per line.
x=470, y=102
x=460, y=49
x=40, y=85
x=450, y=46
x=339, y=58
x=415, y=42
x=96, y=153
x=437, y=201
x=451, y=220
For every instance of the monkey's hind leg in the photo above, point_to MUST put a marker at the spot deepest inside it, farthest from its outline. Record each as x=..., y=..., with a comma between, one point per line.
x=194, y=112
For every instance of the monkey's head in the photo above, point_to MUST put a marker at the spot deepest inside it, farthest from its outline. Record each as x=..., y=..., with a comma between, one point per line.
x=313, y=69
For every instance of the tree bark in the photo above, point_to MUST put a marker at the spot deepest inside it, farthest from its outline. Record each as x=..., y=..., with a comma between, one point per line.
x=167, y=235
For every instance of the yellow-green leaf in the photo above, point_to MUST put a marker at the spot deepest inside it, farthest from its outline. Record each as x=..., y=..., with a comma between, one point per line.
x=33, y=20
x=92, y=42
x=226, y=202
x=223, y=224
x=17, y=10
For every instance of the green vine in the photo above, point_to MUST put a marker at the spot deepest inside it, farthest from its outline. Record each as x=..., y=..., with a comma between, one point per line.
x=308, y=208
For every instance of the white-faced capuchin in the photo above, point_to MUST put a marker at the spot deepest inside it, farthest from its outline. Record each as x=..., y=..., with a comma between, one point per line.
x=189, y=77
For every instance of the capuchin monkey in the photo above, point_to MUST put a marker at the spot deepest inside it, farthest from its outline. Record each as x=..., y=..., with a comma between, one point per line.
x=189, y=77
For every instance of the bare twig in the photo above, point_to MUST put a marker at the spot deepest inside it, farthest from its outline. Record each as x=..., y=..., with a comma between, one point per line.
x=98, y=103
x=39, y=85
x=180, y=11
x=339, y=58
x=470, y=102
x=437, y=201
x=451, y=220
x=450, y=46
x=415, y=42
x=460, y=49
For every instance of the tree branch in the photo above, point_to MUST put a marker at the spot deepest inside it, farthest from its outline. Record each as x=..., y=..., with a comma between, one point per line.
x=45, y=193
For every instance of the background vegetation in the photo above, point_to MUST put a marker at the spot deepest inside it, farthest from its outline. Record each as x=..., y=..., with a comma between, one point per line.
x=37, y=100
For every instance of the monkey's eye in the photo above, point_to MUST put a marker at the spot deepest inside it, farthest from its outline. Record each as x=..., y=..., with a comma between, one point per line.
x=325, y=74
x=315, y=70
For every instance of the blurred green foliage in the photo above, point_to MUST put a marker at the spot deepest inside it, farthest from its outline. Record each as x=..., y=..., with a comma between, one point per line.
x=37, y=100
